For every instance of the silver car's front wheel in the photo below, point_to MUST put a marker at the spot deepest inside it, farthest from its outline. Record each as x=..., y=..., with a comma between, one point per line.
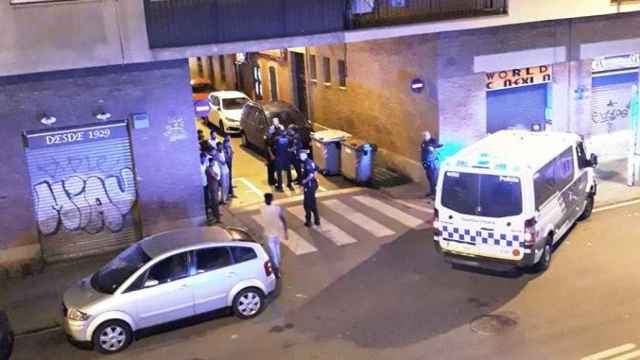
x=112, y=336
x=248, y=303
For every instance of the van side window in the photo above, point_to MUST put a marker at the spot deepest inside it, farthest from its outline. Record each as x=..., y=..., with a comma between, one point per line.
x=553, y=177
x=564, y=169
x=582, y=156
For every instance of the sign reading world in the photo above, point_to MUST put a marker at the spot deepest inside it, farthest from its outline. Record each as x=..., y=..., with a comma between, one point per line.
x=518, y=77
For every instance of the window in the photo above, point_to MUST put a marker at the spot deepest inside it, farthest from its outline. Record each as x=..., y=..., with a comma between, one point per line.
x=342, y=73
x=273, y=83
x=553, y=177
x=212, y=259
x=242, y=254
x=398, y=3
x=200, y=67
x=362, y=6
x=212, y=76
x=482, y=195
x=583, y=162
x=313, y=71
x=257, y=81
x=170, y=269
x=108, y=279
x=223, y=72
x=326, y=66
x=233, y=103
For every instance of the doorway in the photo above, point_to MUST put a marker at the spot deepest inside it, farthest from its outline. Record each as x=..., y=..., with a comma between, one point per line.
x=300, y=81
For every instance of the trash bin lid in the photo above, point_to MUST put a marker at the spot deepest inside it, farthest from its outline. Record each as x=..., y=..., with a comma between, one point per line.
x=354, y=142
x=331, y=135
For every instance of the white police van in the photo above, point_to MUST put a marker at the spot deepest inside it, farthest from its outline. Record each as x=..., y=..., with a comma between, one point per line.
x=504, y=201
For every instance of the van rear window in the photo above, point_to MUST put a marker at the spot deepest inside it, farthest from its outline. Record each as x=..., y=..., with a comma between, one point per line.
x=482, y=195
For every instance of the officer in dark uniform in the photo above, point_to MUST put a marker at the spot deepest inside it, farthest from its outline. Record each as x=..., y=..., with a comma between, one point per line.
x=295, y=146
x=428, y=150
x=283, y=161
x=310, y=184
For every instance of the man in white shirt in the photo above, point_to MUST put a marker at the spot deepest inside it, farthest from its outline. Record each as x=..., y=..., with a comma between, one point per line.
x=275, y=227
x=213, y=184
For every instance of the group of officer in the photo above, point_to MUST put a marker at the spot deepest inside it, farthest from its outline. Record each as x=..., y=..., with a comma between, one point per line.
x=286, y=149
x=216, y=165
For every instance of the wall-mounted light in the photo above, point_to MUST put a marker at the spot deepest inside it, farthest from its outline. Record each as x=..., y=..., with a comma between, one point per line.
x=47, y=119
x=102, y=115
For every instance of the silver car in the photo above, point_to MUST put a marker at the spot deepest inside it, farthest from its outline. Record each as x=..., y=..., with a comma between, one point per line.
x=167, y=277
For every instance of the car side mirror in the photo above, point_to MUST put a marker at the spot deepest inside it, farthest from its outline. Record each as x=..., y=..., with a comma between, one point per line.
x=593, y=160
x=151, y=283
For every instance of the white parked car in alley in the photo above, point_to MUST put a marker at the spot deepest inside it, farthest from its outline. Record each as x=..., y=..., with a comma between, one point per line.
x=166, y=277
x=226, y=108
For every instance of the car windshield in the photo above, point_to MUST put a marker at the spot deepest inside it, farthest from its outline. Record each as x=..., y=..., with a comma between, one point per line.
x=234, y=103
x=482, y=195
x=108, y=279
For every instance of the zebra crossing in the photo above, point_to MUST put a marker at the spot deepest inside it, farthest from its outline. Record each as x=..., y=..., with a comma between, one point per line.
x=349, y=219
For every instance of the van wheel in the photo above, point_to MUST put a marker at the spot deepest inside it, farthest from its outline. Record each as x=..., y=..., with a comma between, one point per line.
x=545, y=260
x=248, y=303
x=112, y=336
x=588, y=209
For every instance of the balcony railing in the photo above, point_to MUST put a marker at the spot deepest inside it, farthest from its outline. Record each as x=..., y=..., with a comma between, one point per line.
x=372, y=13
x=174, y=23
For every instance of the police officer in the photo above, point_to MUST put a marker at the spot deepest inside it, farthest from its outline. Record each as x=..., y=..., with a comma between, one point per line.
x=283, y=161
x=276, y=127
x=295, y=146
x=310, y=185
x=228, y=154
x=428, y=150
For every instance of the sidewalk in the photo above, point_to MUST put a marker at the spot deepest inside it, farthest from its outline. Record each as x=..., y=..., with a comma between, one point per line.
x=612, y=186
x=34, y=303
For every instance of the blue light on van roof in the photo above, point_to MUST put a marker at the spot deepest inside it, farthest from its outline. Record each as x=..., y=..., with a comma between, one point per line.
x=501, y=167
x=484, y=155
x=483, y=162
x=461, y=163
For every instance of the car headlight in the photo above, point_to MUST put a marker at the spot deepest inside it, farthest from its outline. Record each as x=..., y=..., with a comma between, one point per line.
x=77, y=315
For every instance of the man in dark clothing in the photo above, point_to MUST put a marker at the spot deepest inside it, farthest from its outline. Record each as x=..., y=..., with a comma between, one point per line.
x=310, y=184
x=283, y=161
x=295, y=146
x=428, y=150
x=269, y=141
x=228, y=155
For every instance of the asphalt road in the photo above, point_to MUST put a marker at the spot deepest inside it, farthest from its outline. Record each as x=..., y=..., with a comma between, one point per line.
x=396, y=299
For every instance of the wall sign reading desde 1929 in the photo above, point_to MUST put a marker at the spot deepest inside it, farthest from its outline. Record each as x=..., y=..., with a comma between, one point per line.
x=518, y=77
x=98, y=132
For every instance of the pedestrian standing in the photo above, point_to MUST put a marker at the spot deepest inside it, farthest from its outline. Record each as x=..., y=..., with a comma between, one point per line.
x=204, y=164
x=275, y=228
x=224, y=171
x=310, y=186
x=428, y=150
x=228, y=154
x=283, y=161
x=269, y=141
x=295, y=146
x=213, y=184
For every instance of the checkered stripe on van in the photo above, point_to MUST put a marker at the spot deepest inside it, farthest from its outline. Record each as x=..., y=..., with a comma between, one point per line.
x=481, y=237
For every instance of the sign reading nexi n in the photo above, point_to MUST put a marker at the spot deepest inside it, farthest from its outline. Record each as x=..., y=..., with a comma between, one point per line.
x=98, y=132
x=518, y=77
x=610, y=63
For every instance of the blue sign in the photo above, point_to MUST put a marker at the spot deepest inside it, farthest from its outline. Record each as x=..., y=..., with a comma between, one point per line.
x=417, y=85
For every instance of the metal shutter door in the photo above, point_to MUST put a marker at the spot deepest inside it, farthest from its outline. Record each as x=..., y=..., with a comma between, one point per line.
x=84, y=189
x=610, y=101
x=516, y=107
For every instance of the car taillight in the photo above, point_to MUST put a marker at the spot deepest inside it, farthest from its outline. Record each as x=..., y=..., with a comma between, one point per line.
x=530, y=234
x=268, y=269
x=436, y=218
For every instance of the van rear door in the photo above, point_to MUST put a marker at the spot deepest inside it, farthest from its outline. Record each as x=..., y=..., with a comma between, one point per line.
x=481, y=215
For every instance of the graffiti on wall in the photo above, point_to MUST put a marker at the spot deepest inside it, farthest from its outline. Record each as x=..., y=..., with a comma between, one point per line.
x=613, y=112
x=92, y=204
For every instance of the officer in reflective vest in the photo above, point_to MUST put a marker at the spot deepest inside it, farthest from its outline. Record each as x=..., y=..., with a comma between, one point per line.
x=310, y=185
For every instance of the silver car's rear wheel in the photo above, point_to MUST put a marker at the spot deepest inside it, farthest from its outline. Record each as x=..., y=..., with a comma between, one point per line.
x=112, y=336
x=248, y=303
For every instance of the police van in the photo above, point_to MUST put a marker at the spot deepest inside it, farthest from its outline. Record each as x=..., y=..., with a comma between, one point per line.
x=504, y=201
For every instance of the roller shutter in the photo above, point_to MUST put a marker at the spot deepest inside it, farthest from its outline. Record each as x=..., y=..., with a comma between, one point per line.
x=84, y=189
x=519, y=107
x=610, y=101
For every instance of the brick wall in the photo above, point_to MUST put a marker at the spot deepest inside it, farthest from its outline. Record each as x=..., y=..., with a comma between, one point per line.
x=165, y=154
